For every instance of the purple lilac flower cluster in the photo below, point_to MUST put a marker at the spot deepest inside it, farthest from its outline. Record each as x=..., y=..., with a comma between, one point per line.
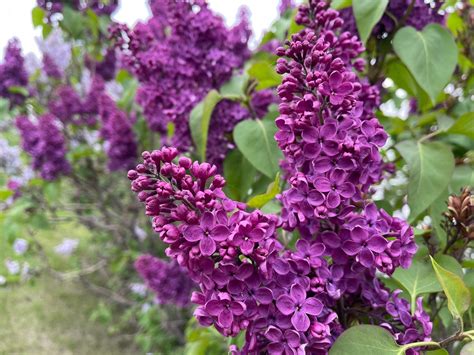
x=100, y=7
x=294, y=301
x=183, y=52
x=117, y=131
x=68, y=106
x=44, y=142
x=169, y=281
x=107, y=67
x=330, y=138
x=13, y=74
x=421, y=13
x=234, y=257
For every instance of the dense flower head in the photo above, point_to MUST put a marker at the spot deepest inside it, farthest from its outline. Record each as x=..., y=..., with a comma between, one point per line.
x=117, y=131
x=56, y=53
x=13, y=73
x=421, y=13
x=44, y=141
x=180, y=54
x=70, y=107
x=290, y=300
x=105, y=68
x=169, y=281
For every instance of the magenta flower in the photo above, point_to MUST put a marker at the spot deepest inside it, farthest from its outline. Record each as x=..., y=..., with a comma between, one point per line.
x=297, y=305
x=336, y=187
x=287, y=342
x=336, y=88
x=364, y=245
x=225, y=309
x=246, y=236
x=207, y=233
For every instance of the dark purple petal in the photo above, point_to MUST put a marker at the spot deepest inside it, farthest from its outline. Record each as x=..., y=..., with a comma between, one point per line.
x=207, y=246
x=366, y=258
x=220, y=233
x=300, y=321
x=264, y=295
x=207, y=220
x=359, y=234
x=330, y=147
x=311, y=150
x=225, y=318
x=333, y=200
x=193, y=233
x=351, y=248
x=315, y=198
x=273, y=334
x=323, y=184
x=312, y=306
x=298, y=293
x=292, y=338
x=285, y=305
x=322, y=165
x=377, y=244
x=214, y=307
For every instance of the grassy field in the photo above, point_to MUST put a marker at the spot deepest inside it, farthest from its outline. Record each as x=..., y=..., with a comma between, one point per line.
x=48, y=316
x=51, y=317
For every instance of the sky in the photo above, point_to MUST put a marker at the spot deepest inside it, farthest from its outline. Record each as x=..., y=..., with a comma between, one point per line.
x=15, y=17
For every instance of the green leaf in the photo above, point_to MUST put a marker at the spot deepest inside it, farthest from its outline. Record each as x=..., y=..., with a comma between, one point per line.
x=367, y=340
x=464, y=125
x=340, y=4
x=458, y=295
x=430, y=166
x=450, y=264
x=437, y=352
x=367, y=13
x=239, y=174
x=402, y=77
x=265, y=74
x=37, y=16
x=200, y=119
x=463, y=176
x=272, y=190
x=430, y=55
x=235, y=87
x=5, y=194
x=72, y=22
x=18, y=90
x=254, y=138
x=419, y=278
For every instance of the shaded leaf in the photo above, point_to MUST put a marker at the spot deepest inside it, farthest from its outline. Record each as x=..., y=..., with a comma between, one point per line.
x=254, y=138
x=199, y=121
x=239, y=174
x=272, y=190
x=464, y=125
x=367, y=13
x=430, y=169
x=367, y=340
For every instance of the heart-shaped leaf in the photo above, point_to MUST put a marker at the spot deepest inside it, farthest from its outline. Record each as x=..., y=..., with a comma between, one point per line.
x=457, y=293
x=239, y=174
x=367, y=340
x=254, y=138
x=430, y=166
x=431, y=56
x=367, y=13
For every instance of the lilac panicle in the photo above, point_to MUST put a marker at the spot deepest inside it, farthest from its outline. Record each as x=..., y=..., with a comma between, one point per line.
x=44, y=142
x=169, y=281
x=179, y=55
x=13, y=73
x=117, y=131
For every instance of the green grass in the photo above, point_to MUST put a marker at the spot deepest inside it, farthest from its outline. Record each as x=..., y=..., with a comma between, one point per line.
x=51, y=317
x=48, y=316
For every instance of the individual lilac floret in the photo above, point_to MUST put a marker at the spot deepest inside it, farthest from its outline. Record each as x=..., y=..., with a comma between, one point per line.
x=167, y=280
x=44, y=141
x=13, y=74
